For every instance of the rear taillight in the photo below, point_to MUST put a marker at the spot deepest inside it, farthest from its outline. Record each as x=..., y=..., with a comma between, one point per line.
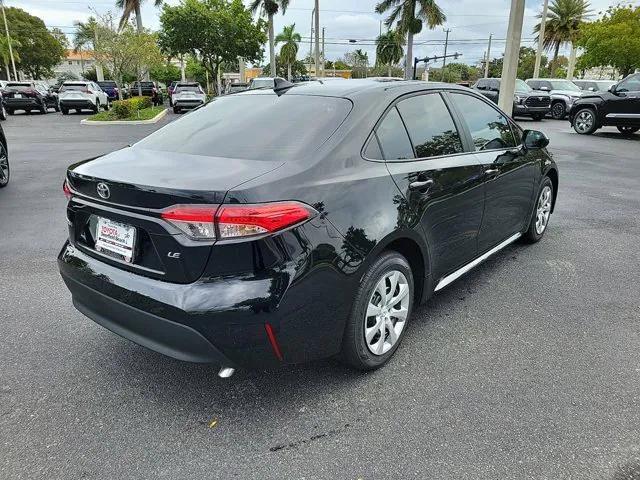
x=66, y=190
x=196, y=221
x=236, y=221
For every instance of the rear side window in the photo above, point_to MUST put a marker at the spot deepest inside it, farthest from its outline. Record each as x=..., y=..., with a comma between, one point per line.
x=489, y=128
x=393, y=138
x=277, y=128
x=430, y=126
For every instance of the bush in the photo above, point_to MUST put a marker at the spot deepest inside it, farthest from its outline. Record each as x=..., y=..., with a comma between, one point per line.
x=127, y=108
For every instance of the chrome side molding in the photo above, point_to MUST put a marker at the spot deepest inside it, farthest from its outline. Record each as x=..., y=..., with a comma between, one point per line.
x=461, y=271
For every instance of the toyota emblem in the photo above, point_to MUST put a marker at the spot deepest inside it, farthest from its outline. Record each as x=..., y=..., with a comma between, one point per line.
x=103, y=190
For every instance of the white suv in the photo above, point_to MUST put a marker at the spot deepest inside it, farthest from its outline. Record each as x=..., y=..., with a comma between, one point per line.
x=79, y=95
x=187, y=95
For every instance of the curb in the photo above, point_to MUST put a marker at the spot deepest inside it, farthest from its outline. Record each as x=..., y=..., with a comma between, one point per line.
x=125, y=122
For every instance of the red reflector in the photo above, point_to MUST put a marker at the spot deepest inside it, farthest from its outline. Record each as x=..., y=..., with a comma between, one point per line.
x=66, y=190
x=273, y=341
x=243, y=220
x=190, y=214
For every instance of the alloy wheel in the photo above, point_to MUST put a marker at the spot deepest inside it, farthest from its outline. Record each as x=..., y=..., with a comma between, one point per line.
x=543, y=210
x=558, y=111
x=4, y=166
x=584, y=121
x=386, y=312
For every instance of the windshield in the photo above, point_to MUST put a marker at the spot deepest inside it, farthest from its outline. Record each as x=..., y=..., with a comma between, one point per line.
x=605, y=84
x=107, y=84
x=564, y=85
x=522, y=87
x=278, y=128
x=261, y=82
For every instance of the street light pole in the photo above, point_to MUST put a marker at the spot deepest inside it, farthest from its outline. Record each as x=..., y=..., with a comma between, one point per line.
x=511, y=54
x=317, y=39
x=486, y=64
x=6, y=29
x=543, y=24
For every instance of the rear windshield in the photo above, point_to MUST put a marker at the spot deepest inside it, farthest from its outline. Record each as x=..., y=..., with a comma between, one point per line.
x=107, y=84
x=261, y=82
x=19, y=87
x=253, y=127
x=144, y=84
x=188, y=88
x=73, y=87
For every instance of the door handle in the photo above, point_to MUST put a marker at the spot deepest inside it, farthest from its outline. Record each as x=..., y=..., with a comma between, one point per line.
x=421, y=185
x=492, y=171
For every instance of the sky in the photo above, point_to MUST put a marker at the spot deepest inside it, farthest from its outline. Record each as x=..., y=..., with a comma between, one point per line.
x=470, y=23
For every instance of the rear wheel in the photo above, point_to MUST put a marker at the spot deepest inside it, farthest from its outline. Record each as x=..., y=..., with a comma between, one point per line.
x=106, y=107
x=43, y=108
x=585, y=121
x=176, y=109
x=380, y=313
x=628, y=130
x=10, y=111
x=558, y=110
x=56, y=107
x=96, y=107
x=540, y=218
x=65, y=111
x=4, y=166
x=3, y=112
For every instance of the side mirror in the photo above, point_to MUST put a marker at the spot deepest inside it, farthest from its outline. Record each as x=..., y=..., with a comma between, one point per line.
x=591, y=89
x=534, y=140
x=612, y=88
x=545, y=89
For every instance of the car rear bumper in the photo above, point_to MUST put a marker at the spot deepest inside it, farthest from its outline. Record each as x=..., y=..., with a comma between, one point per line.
x=526, y=110
x=76, y=104
x=187, y=103
x=19, y=103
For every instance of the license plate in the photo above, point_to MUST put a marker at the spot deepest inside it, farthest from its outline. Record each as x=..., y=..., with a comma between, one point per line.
x=17, y=95
x=115, y=238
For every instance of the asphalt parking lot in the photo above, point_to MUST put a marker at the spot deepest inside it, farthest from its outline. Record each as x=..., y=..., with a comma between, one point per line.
x=528, y=367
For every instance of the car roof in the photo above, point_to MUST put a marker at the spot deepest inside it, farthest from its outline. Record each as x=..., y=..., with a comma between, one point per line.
x=550, y=79
x=360, y=88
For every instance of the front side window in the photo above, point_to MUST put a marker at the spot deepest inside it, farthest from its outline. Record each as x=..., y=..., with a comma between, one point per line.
x=430, y=126
x=631, y=84
x=393, y=138
x=489, y=128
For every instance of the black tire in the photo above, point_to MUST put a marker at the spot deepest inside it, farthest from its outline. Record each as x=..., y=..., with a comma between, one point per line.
x=5, y=172
x=43, y=109
x=558, y=110
x=628, y=130
x=106, y=107
x=10, y=111
x=584, y=121
x=3, y=112
x=96, y=107
x=533, y=234
x=56, y=107
x=537, y=116
x=176, y=109
x=65, y=111
x=355, y=351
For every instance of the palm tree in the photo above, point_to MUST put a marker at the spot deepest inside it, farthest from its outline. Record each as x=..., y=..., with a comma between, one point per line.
x=270, y=7
x=389, y=49
x=360, y=63
x=562, y=25
x=85, y=36
x=5, y=55
x=409, y=21
x=129, y=6
x=289, y=51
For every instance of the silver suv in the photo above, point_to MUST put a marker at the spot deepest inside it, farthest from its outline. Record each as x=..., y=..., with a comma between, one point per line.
x=563, y=93
x=187, y=95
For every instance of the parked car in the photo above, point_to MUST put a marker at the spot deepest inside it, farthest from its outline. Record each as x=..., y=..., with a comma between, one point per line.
x=148, y=89
x=526, y=101
x=264, y=82
x=237, y=87
x=29, y=96
x=81, y=95
x=619, y=107
x=3, y=107
x=170, y=90
x=265, y=239
x=111, y=89
x=4, y=160
x=563, y=93
x=594, y=85
x=187, y=95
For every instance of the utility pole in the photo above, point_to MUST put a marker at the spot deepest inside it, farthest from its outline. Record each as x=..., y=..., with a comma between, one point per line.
x=323, y=52
x=511, y=54
x=486, y=65
x=446, y=44
x=313, y=14
x=543, y=24
x=317, y=39
x=572, y=61
x=6, y=29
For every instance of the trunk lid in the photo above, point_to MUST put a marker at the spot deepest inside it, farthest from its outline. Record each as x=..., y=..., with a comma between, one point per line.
x=140, y=184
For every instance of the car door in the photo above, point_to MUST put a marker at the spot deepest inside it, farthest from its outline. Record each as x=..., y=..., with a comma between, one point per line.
x=440, y=183
x=623, y=106
x=508, y=169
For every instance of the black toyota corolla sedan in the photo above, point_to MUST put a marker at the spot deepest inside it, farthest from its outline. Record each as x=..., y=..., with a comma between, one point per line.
x=280, y=226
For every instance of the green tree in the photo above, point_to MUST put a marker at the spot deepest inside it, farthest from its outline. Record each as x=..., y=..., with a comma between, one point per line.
x=527, y=61
x=5, y=53
x=298, y=68
x=133, y=6
x=409, y=15
x=270, y=8
x=359, y=60
x=389, y=49
x=213, y=31
x=85, y=35
x=562, y=25
x=288, y=51
x=39, y=49
x=165, y=73
x=612, y=40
